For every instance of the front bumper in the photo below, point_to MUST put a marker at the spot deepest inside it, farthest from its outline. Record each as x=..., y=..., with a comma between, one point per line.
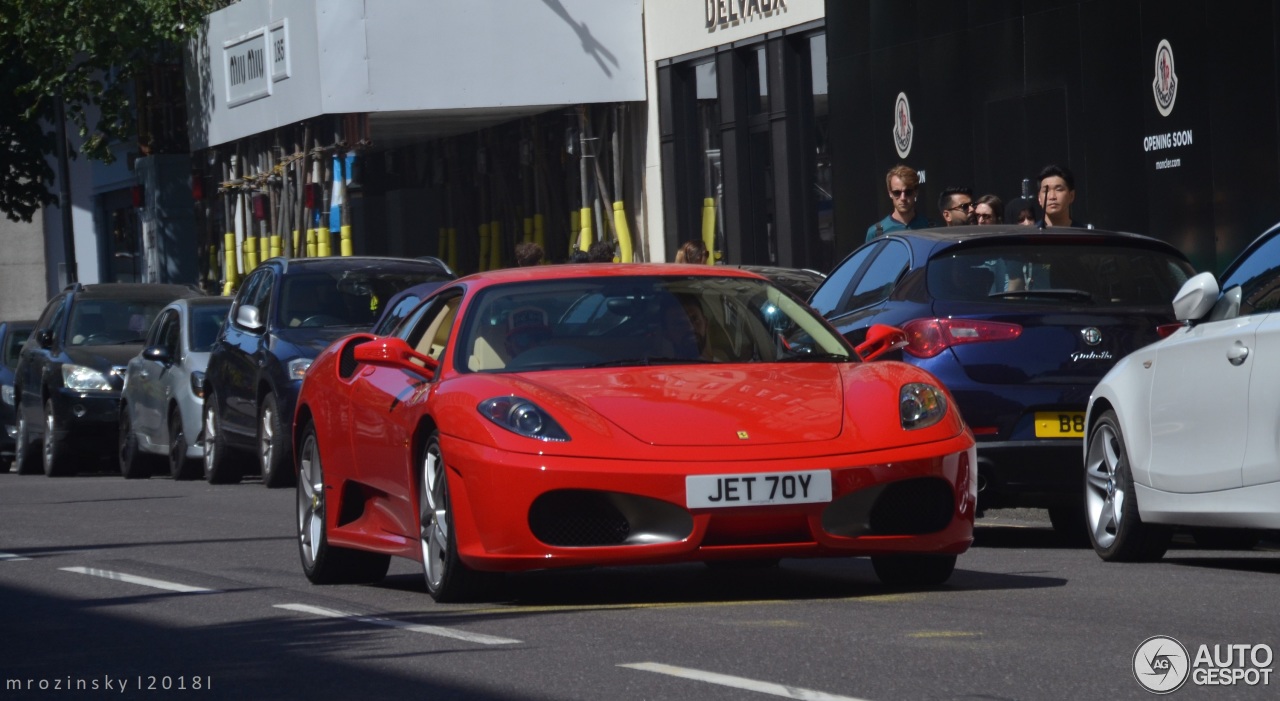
x=86, y=422
x=508, y=506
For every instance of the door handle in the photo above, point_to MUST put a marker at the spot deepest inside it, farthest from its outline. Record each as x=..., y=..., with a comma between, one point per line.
x=1237, y=353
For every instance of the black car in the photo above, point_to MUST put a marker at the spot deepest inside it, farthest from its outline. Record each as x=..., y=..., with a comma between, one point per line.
x=12, y=335
x=1020, y=324
x=70, y=371
x=800, y=282
x=285, y=313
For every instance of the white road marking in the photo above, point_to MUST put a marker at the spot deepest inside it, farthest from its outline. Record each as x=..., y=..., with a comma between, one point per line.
x=12, y=557
x=144, y=581
x=402, y=625
x=788, y=692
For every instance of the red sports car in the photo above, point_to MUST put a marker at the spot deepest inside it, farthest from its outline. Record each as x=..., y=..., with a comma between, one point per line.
x=571, y=415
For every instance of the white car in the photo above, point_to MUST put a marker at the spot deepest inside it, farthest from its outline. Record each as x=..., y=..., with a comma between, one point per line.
x=1184, y=432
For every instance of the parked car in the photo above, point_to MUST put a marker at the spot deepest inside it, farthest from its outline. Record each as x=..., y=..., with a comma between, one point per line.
x=1183, y=431
x=1019, y=324
x=161, y=406
x=12, y=335
x=566, y=416
x=284, y=314
x=70, y=371
x=801, y=282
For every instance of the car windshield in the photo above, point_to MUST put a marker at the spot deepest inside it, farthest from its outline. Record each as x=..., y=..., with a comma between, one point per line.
x=111, y=321
x=206, y=321
x=13, y=346
x=1066, y=274
x=343, y=298
x=628, y=321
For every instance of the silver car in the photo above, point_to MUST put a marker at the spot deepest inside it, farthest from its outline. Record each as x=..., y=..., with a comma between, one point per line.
x=163, y=399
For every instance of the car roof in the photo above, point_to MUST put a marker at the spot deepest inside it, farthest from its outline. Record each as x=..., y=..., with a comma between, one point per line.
x=351, y=263
x=560, y=271
x=935, y=240
x=210, y=301
x=134, y=290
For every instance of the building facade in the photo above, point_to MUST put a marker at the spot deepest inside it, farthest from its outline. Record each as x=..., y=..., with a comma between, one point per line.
x=1165, y=111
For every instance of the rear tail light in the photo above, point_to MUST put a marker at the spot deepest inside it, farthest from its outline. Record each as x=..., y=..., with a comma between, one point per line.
x=1166, y=330
x=929, y=337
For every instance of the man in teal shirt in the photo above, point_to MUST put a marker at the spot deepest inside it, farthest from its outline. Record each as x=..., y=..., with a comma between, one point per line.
x=903, y=185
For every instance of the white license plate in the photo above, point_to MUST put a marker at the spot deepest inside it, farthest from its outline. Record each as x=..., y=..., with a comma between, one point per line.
x=757, y=489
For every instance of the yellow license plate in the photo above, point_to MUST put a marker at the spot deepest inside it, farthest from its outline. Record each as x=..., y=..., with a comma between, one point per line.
x=1059, y=424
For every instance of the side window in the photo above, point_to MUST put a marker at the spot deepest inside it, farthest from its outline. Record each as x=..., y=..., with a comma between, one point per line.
x=262, y=297
x=828, y=299
x=169, y=334
x=156, y=332
x=435, y=326
x=1258, y=277
x=46, y=318
x=246, y=291
x=58, y=319
x=881, y=276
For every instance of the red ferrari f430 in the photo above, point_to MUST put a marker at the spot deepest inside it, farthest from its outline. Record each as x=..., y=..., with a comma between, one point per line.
x=572, y=415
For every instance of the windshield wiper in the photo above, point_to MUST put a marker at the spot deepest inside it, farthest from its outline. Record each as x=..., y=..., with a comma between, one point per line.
x=1048, y=292
x=650, y=360
x=817, y=356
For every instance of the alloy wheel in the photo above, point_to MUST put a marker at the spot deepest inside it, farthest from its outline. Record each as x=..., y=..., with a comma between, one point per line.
x=1104, y=489
x=433, y=518
x=310, y=501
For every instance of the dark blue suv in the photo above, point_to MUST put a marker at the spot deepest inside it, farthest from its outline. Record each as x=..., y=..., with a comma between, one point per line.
x=1019, y=323
x=285, y=313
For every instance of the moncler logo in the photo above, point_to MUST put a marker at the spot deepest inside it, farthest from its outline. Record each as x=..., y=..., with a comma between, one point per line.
x=1165, y=86
x=902, y=128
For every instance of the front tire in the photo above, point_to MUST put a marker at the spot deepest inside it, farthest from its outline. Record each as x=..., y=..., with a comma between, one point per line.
x=55, y=451
x=25, y=459
x=133, y=464
x=1115, y=524
x=180, y=466
x=217, y=466
x=273, y=445
x=448, y=579
x=323, y=563
x=913, y=570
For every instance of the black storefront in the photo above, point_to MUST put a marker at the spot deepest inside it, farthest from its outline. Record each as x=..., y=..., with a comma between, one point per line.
x=743, y=131
x=998, y=89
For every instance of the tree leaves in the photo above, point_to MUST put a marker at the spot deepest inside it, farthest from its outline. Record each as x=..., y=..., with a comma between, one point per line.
x=92, y=51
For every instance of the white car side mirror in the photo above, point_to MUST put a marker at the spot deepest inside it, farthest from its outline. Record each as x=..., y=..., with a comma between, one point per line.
x=248, y=317
x=1196, y=298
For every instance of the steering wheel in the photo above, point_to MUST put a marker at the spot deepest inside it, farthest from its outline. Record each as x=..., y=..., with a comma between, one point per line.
x=322, y=320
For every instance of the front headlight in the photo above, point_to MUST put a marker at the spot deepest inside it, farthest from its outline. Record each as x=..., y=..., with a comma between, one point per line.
x=6, y=394
x=921, y=405
x=298, y=368
x=83, y=379
x=522, y=416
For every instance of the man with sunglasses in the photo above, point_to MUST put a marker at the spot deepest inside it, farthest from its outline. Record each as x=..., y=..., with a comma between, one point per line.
x=956, y=204
x=903, y=184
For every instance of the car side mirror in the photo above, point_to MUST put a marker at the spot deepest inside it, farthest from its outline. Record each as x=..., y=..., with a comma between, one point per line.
x=394, y=352
x=249, y=317
x=44, y=337
x=1196, y=297
x=158, y=354
x=881, y=339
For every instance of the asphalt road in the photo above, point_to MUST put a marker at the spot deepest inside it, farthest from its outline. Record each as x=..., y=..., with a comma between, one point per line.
x=159, y=583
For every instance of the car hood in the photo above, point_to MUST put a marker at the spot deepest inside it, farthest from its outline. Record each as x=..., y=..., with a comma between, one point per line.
x=711, y=405
x=103, y=358
x=310, y=341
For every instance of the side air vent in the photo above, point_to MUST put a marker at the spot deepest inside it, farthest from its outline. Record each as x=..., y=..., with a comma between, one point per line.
x=347, y=359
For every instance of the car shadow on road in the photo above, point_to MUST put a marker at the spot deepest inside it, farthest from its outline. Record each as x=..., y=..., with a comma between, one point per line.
x=1020, y=536
x=695, y=583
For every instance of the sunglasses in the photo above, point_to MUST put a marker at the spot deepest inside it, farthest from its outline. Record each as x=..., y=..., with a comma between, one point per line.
x=902, y=193
x=967, y=206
